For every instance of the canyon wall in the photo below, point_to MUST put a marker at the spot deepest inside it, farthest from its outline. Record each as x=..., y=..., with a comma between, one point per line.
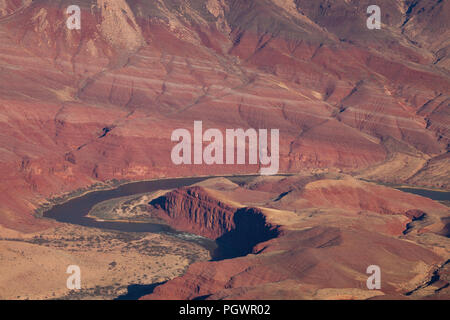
x=236, y=230
x=80, y=107
x=303, y=249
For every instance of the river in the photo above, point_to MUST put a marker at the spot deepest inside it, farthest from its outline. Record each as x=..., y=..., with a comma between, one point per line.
x=75, y=211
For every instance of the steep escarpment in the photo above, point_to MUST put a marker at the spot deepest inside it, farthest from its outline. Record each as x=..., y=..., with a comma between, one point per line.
x=194, y=210
x=236, y=230
x=314, y=263
x=79, y=108
x=323, y=245
x=344, y=97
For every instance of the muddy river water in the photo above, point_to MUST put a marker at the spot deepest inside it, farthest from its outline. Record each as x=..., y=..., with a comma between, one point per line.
x=75, y=211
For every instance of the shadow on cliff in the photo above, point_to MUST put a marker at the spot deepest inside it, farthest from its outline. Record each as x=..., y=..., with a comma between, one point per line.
x=236, y=231
x=250, y=229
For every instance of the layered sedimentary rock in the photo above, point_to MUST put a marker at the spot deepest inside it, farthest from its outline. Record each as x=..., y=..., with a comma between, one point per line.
x=320, y=250
x=81, y=107
x=194, y=210
x=236, y=229
x=138, y=70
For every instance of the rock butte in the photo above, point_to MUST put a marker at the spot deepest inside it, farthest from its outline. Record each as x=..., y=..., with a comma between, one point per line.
x=79, y=108
x=319, y=252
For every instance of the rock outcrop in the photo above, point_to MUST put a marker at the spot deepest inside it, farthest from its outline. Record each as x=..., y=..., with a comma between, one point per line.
x=320, y=251
x=372, y=102
x=236, y=230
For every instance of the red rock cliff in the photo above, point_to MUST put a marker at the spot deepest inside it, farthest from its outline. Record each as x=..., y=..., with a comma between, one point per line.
x=236, y=230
